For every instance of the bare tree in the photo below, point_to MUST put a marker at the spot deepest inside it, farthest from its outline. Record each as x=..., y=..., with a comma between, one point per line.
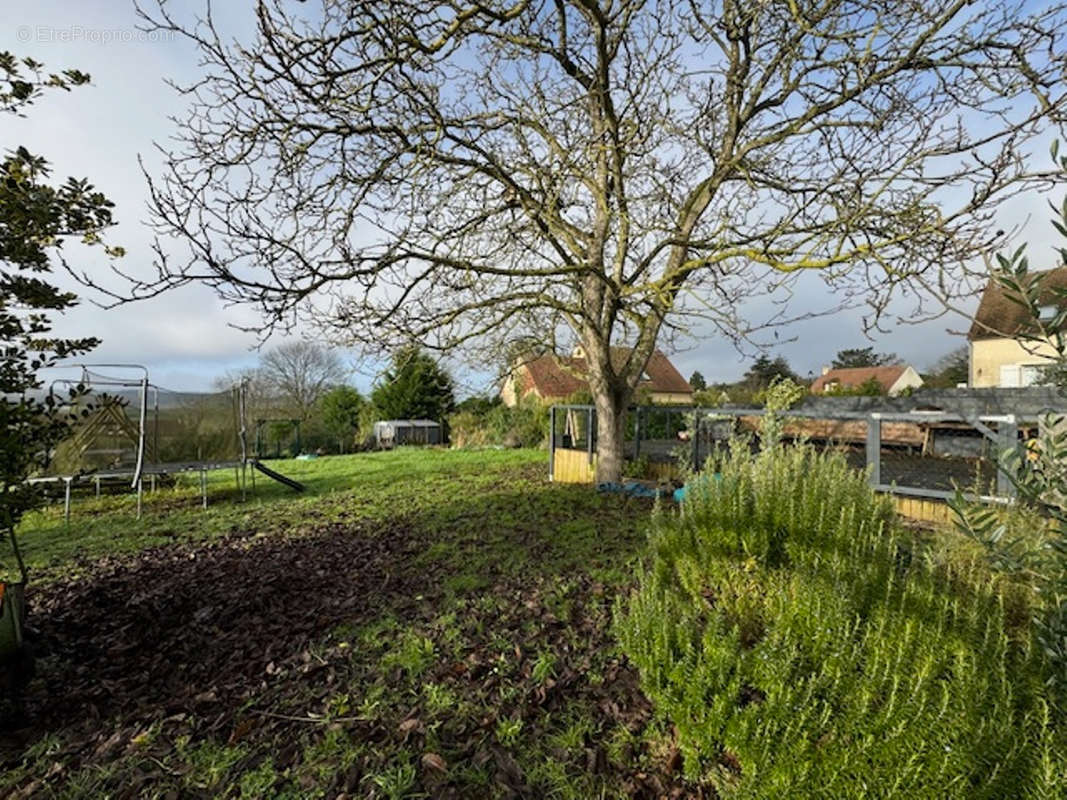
x=299, y=373
x=600, y=172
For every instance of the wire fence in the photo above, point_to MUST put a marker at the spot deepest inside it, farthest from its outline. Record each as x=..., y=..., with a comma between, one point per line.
x=916, y=453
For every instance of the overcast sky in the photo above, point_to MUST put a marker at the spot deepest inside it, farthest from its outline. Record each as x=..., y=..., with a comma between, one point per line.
x=185, y=337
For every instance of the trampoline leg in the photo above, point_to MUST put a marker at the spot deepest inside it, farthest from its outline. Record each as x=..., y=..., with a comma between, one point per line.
x=203, y=487
x=140, y=496
x=97, y=487
x=66, y=501
x=152, y=482
x=237, y=479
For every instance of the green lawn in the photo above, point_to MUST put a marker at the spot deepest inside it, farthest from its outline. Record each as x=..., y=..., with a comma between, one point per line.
x=369, y=486
x=418, y=623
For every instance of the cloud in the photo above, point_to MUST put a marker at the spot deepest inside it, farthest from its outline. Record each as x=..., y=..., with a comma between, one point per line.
x=186, y=336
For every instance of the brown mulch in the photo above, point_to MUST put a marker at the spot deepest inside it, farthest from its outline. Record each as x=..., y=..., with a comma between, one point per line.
x=182, y=629
x=225, y=640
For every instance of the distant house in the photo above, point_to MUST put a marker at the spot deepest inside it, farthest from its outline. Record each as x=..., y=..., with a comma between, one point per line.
x=553, y=378
x=893, y=379
x=998, y=355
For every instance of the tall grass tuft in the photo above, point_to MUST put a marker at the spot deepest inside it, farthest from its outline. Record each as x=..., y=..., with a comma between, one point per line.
x=805, y=647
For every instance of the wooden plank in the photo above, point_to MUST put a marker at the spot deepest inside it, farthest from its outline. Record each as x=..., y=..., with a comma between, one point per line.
x=852, y=431
x=923, y=510
x=572, y=466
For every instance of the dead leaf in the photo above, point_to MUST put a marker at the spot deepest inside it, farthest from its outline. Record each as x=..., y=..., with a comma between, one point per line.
x=432, y=761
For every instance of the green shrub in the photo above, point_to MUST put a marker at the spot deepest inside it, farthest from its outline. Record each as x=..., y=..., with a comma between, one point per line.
x=805, y=647
x=523, y=425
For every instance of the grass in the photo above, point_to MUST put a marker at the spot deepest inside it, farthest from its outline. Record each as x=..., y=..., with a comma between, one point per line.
x=485, y=663
x=370, y=487
x=495, y=673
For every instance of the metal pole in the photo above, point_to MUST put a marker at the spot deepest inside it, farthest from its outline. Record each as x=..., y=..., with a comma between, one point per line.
x=66, y=501
x=637, y=432
x=155, y=431
x=696, y=442
x=1008, y=433
x=97, y=487
x=589, y=434
x=140, y=497
x=141, y=432
x=874, y=449
x=203, y=487
x=152, y=482
x=552, y=443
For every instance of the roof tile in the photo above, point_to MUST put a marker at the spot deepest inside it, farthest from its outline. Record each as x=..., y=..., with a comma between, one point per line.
x=557, y=377
x=998, y=316
x=852, y=377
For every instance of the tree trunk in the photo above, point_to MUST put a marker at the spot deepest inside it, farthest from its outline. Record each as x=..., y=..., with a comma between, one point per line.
x=611, y=433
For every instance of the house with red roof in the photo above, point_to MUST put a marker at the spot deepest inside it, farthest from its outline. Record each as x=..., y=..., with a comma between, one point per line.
x=893, y=379
x=552, y=379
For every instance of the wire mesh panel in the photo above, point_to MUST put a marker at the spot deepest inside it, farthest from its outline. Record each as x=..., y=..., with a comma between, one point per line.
x=949, y=454
x=660, y=433
x=574, y=428
x=913, y=453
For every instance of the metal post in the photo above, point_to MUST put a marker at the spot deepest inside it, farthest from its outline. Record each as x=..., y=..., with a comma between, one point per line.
x=141, y=432
x=637, y=432
x=66, y=501
x=203, y=487
x=140, y=496
x=552, y=443
x=1008, y=435
x=97, y=487
x=589, y=434
x=874, y=448
x=152, y=482
x=696, y=442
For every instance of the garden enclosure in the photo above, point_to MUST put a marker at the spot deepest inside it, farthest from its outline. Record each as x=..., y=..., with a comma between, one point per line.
x=917, y=455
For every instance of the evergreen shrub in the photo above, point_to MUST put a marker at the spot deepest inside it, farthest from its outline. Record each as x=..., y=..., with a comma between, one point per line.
x=805, y=646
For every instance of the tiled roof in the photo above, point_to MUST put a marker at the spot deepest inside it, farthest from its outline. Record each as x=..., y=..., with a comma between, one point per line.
x=851, y=377
x=998, y=316
x=557, y=377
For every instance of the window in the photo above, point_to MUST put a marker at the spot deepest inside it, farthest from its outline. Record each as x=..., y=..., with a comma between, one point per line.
x=1047, y=313
x=1010, y=375
x=1021, y=375
x=1032, y=375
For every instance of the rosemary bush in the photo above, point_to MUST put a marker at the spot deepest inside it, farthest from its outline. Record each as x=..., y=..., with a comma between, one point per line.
x=804, y=646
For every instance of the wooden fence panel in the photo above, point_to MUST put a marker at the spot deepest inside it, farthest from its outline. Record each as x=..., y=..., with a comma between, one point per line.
x=572, y=466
